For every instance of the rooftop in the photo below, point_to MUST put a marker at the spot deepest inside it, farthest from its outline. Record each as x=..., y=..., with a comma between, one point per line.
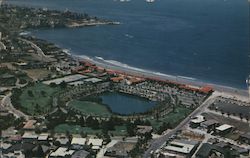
x=29, y=125
x=198, y=119
x=27, y=135
x=181, y=146
x=43, y=136
x=93, y=80
x=95, y=142
x=78, y=141
x=62, y=152
x=67, y=79
x=224, y=127
x=209, y=122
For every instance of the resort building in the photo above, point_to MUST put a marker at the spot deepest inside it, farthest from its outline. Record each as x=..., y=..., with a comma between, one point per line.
x=95, y=144
x=197, y=121
x=224, y=129
x=180, y=148
x=61, y=152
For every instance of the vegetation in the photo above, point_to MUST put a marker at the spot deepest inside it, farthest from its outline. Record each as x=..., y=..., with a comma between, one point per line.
x=6, y=121
x=34, y=99
x=90, y=108
x=170, y=120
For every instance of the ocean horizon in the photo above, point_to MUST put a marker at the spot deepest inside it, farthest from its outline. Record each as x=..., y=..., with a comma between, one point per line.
x=203, y=41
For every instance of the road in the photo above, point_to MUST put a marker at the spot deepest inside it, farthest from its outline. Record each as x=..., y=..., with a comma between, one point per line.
x=6, y=104
x=159, y=142
x=38, y=49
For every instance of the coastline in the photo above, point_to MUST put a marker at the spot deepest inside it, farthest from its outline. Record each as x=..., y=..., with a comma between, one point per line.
x=129, y=70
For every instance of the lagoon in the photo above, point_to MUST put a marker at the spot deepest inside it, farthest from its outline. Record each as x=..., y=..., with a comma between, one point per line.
x=126, y=104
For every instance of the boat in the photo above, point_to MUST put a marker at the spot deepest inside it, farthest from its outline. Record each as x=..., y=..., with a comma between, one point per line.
x=150, y=1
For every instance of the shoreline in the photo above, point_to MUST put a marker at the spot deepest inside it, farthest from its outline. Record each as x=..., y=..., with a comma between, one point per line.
x=133, y=71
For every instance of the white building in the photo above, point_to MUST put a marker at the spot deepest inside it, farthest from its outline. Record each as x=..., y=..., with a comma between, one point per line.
x=96, y=143
x=43, y=137
x=224, y=129
x=181, y=147
x=62, y=152
x=78, y=141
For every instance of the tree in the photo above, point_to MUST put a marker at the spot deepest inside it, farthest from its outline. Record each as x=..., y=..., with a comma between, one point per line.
x=43, y=93
x=37, y=109
x=52, y=84
x=83, y=135
x=93, y=123
x=241, y=116
x=82, y=121
x=222, y=112
x=63, y=84
x=247, y=118
x=131, y=129
x=30, y=93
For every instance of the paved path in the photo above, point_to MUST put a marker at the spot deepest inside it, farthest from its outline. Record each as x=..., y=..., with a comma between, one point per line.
x=38, y=49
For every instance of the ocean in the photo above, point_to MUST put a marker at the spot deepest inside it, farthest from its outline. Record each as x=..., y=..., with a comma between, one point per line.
x=203, y=40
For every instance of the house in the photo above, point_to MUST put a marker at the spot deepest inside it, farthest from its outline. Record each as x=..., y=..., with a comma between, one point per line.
x=80, y=154
x=223, y=129
x=15, y=154
x=43, y=137
x=194, y=123
x=182, y=147
x=61, y=153
x=24, y=147
x=120, y=149
x=144, y=129
x=62, y=141
x=245, y=138
x=96, y=144
x=207, y=150
x=40, y=151
x=209, y=124
x=78, y=143
x=29, y=125
x=29, y=137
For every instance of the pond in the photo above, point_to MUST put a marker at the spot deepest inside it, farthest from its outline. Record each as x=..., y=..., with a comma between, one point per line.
x=126, y=104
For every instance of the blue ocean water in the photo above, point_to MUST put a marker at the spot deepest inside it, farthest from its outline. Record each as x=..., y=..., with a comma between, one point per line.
x=202, y=39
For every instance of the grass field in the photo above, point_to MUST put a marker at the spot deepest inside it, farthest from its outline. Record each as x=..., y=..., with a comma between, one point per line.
x=90, y=108
x=76, y=129
x=38, y=73
x=41, y=99
x=174, y=118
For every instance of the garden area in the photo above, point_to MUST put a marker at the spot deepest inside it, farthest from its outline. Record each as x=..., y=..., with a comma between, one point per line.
x=90, y=108
x=171, y=120
x=77, y=129
x=35, y=99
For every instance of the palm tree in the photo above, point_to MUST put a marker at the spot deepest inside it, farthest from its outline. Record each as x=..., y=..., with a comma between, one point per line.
x=241, y=116
x=222, y=112
x=247, y=118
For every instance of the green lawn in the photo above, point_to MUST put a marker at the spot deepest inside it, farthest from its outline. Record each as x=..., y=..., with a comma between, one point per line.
x=174, y=118
x=90, y=108
x=41, y=99
x=76, y=129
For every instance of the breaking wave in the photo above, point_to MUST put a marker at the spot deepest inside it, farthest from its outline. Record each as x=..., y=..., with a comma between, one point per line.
x=126, y=66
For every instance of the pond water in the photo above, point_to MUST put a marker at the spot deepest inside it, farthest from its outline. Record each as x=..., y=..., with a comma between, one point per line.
x=126, y=104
